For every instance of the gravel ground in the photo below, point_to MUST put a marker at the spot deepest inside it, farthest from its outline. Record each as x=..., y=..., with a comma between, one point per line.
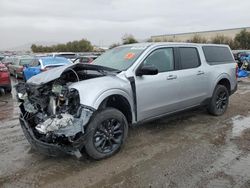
x=191, y=149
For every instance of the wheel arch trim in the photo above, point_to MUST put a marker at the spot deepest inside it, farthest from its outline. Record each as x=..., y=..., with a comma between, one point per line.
x=111, y=92
x=221, y=77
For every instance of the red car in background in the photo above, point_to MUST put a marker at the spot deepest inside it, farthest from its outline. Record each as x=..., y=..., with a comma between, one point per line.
x=5, y=82
x=16, y=68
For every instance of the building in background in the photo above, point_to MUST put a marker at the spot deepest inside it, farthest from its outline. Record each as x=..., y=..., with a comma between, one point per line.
x=208, y=35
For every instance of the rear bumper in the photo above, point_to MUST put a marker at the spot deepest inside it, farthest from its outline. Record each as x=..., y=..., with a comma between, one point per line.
x=54, y=150
x=8, y=85
x=5, y=79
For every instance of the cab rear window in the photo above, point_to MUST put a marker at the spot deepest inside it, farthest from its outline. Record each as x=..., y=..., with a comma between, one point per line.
x=217, y=55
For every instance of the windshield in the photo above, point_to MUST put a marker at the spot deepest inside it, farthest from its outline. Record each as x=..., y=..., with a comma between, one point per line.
x=26, y=61
x=55, y=61
x=120, y=58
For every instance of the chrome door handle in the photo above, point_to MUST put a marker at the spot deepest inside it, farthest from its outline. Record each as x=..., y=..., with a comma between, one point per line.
x=171, y=77
x=200, y=72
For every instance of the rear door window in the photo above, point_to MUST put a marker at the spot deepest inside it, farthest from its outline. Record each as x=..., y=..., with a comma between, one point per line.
x=189, y=57
x=217, y=55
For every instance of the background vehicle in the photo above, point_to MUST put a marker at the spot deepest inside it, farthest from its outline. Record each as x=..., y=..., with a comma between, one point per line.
x=240, y=57
x=5, y=78
x=245, y=62
x=16, y=68
x=91, y=105
x=1, y=58
x=43, y=64
x=8, y=60
x=85, y=59
x=68, y=55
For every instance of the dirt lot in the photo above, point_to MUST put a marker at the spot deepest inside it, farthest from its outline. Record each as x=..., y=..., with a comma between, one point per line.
x=192, y=149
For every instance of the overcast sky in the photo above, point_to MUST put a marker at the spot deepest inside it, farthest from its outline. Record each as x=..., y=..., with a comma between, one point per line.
x=104, y=22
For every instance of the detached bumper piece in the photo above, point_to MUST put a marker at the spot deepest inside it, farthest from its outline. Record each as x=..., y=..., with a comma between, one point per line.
x=54, y=150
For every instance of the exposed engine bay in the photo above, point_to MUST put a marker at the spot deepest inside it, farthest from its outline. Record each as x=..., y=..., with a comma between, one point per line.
x=52, y=111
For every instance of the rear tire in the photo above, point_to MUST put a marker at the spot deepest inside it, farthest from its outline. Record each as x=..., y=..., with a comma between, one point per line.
x=219, y=102
x=107, y=132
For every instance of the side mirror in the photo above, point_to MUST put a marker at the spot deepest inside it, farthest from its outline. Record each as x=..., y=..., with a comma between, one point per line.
x=147, y=70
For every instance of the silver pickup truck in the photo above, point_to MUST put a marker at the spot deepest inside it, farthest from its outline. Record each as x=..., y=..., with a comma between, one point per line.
x=89, y=106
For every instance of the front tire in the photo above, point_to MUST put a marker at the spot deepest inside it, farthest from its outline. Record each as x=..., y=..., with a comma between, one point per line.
x=219, y=102
x=107, y=132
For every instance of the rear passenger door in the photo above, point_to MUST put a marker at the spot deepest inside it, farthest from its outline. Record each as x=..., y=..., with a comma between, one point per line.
x=192, y=77
x=158, y=94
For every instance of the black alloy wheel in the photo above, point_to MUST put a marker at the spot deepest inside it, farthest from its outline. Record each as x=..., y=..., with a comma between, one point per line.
x=219, y=102
x=108, y=135
x=107, y=131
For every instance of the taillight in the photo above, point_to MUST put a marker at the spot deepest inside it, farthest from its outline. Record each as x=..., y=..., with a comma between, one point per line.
x=3, y=69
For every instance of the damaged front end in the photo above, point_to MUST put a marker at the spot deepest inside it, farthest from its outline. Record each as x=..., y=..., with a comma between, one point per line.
x=52, y=118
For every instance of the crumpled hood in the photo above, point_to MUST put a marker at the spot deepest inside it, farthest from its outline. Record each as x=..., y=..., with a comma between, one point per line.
x=91, y=91
x=49, y=75
x=55, y=73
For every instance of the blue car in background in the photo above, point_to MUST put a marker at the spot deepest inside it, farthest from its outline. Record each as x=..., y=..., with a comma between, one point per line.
x=245, y=57
x=246, y=61
x=43, y=64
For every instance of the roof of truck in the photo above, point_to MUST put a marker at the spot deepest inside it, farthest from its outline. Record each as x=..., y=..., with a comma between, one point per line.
x=147, y=44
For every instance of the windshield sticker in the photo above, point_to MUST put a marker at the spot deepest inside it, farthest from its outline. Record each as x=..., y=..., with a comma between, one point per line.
x=129, y=56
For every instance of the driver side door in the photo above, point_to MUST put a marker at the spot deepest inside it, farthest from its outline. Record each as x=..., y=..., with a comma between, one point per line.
x=158, y=94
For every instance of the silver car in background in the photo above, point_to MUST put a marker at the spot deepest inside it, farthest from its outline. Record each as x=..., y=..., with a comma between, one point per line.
x=91, y=105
